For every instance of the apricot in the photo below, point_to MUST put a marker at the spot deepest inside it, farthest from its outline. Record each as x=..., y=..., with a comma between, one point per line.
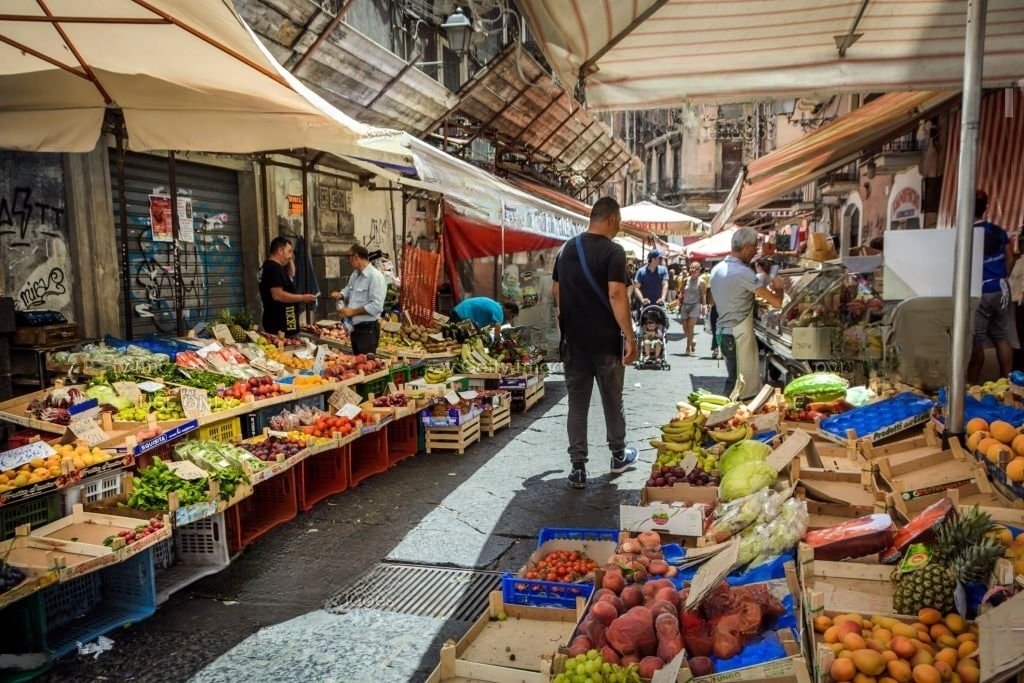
x=968, y=671
x=926, y=673
x=945, y=670
x=937, y=630
x=864, y=678
x=831, y=634
x=868, y=662
x=849, y=626
x=967, y=648
x=956, y=624
x=853, y=641
x=889, y=656
x=948, y=641
x=949, y=656
x=964, y=637
x=822, y=623
x=929, y=616
x=903, y=647
x=922, y=658
x=882, y=634
x=842, y=670
x=900, y=670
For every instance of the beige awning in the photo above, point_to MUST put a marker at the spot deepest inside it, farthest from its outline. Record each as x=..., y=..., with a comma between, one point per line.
x=661, y=53
x=831, y=146
x=187, y=75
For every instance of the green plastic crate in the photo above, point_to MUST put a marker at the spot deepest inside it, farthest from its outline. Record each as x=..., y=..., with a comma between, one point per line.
x=23, y=624
x=35, y=511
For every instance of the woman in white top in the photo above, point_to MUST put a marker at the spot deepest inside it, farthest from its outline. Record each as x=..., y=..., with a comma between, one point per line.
x=691, y=296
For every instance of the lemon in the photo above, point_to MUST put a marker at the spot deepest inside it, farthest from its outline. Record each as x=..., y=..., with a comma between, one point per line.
x=20, y=480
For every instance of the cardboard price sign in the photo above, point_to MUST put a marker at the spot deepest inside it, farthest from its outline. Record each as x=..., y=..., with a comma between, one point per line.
x=88, y=430
x=151, y=387
x=223, y=334
x=186, y=470
x=342, y=396
x=194, y=402
x=128, y=390
x=348, y=410
x=321, y=358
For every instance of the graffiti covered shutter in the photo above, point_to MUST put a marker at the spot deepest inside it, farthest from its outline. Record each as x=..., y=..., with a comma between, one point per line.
x=211, y=265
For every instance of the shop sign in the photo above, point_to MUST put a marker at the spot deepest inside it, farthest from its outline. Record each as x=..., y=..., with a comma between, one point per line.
x=906, y=204
x=539, y=221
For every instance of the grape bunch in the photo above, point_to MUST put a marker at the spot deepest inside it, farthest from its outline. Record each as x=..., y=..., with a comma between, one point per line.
x=10, y=577
x=589, y=668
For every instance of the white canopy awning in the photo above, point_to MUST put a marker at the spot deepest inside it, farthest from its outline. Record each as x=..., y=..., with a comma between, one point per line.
x=660, y=53
x=187, y=75
x=649, y=217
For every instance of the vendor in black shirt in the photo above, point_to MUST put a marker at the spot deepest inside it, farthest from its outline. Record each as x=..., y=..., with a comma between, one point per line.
x=277, y=290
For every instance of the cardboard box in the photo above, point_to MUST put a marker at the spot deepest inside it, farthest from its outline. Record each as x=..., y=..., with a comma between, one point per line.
x=981, y=493
x=520, y=649
x=926, y=473
x=1001, y=640
x=678, y=518
x=814, y=343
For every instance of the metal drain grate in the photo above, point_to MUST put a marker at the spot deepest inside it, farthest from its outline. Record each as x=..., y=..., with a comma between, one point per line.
x=440, y=592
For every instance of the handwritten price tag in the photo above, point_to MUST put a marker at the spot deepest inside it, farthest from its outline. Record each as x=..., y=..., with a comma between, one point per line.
x=17, y=457
x=151, y=387
x=194, y=402
x=223, y=334
x=88, y=430
x=321, y=358
x=128, y=390
x=348, y=410
x=188, y=471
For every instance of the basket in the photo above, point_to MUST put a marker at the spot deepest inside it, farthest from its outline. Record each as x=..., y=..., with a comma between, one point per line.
x=272, y=503
x=35, y=511
x=369, y=456
x=323, y=475
x=90, y=491
x=222, y=430
x=198, y=549
x=95, y=604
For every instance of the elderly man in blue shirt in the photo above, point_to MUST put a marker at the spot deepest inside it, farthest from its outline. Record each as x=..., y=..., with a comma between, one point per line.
x=363, y=301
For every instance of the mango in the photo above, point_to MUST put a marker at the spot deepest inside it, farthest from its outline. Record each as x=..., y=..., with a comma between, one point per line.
x=900, y=670
x=926, y=673
x=868, y=662
x=853, y=641
x=968, y=671
x=956, y=624
x=922, y=657
x=929, y=616
x=842, y=670
x=905, y=630
x=967, y=648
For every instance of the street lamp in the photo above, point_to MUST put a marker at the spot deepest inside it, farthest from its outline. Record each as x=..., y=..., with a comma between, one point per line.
x=458, y=29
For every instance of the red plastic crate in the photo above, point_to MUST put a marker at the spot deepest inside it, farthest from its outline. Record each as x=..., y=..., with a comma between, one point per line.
x=403, y=439
x=369, y=456
x=323, y=475
x=272, y=503
x=25, y=437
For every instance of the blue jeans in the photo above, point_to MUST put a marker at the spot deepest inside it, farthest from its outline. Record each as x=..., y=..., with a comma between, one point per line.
x=581, y=369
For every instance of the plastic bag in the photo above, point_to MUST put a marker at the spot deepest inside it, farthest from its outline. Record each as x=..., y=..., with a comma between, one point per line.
x=850, y=540
x=784, y=531
x=733, y=517
x=859, y=396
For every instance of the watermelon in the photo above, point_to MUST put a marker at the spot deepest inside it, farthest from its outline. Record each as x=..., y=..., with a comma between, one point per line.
x=817, y=387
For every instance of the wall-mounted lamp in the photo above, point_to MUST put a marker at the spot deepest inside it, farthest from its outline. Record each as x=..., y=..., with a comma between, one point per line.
x=458, y=29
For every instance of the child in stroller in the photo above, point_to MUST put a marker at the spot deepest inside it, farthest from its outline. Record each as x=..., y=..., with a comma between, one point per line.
x=651, y=338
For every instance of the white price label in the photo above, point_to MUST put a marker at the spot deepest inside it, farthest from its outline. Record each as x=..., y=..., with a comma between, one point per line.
x=128, y=390
x=321, y=358
x=254, y=337
x=208, y=349
x=348, y=410
x=303, y=354
x=17, y=457
x=468, y=395
x=186, y=470
x=151, y=387
x=452, y=397
x=223, y=334
x=194, y=402
x=88, y=430
x=688, y=463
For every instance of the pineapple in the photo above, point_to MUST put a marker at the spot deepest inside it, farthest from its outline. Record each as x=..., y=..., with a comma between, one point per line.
x=961, y=553
x=237, y=323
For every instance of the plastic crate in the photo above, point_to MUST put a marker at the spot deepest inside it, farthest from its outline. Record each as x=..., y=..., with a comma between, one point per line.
x=403, y=439
x=272, y=503
x=417, y=371
x=400, y=375
x=516, y=590
x=81, y=610
x=23, y=624
x=558, y=533
x=35, y=511
x=91, y=490
x=198, y=549
x=25, y=437
x=163, y=554
x=222, y=430
x=369, y=456
x=377, y=387
x=323, y=475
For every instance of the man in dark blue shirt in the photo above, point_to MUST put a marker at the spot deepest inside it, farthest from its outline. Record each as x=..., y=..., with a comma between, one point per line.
x=992, y=319
x=652, y=281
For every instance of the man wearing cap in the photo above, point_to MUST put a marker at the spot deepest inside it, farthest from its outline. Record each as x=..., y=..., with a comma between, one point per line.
x=362, y=302
x=652, y=280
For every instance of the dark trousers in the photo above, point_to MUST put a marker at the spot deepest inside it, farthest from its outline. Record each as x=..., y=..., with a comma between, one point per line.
x=714, y=327
x=365, y=337
x=729, y=353
x=581, y=369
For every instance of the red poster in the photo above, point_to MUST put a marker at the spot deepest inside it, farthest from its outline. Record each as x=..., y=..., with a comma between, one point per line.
x=160, y=218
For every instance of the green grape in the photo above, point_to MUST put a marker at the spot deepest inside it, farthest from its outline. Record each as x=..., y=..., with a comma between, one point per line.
x=597, y=677
x=581, y=659
x=570, y=664
x=593, y=654
x=591, y=666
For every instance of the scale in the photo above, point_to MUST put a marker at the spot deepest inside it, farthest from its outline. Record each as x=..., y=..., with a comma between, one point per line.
x=39, y=318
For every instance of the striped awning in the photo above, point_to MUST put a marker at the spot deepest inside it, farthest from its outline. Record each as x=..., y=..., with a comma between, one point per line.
x=661, y=53
x=831, y=146
x=1000, y=161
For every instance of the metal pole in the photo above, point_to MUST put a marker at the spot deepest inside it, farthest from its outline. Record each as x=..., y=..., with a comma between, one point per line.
x=304, y=284
x=179, y=282
x=974, y=51
x=122, y=201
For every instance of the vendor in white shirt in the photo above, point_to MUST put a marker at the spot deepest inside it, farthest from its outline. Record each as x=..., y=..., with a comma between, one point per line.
x=363, y=301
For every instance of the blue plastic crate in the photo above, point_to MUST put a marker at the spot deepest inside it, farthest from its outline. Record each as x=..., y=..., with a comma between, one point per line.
x=83, y=609
x=987, y=408
x=881, y=419
x=517, y=590
x=556, y=533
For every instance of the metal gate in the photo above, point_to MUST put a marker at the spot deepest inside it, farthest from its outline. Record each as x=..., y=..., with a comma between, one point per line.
x=211, y=266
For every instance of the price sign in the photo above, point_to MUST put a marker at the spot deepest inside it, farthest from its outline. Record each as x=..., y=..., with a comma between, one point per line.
x=452, y=397
x=688, y=463
x=223, y=334
x=17, y=457
x=186, y=470
x=303, y=354
x=197, y=329
x=342, y=396
x=151, y=387
x=194, y=402
x=128, y=390
x=321, y=358
x=254, y=337
x=348, y=410
x=209, y=348
x=88, y=430
x=468, y=395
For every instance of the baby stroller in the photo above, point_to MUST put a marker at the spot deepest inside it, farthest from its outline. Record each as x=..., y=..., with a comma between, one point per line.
x=653, y=321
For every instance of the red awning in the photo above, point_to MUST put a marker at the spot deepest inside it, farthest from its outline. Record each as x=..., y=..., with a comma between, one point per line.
x=718, y=245
x=1000, y=161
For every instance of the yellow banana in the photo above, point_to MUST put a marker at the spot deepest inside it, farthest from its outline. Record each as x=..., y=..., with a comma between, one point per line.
x=738, y=433
x=672, y=447
x=678, y=438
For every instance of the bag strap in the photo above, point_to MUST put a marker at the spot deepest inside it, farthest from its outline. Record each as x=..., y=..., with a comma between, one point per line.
x=602, y=296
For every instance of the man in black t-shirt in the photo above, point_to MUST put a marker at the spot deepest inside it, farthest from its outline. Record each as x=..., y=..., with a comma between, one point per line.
x=590, y=290
x=277, y=290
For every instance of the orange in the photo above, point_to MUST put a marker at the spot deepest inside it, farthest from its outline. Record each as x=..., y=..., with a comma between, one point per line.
x=1015, y=470
x=1018, y=444
x=986, y=444
x=1004, y=431
x=996, y=451
x=976, y=424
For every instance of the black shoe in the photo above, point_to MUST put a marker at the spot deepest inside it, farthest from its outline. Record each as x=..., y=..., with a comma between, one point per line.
x=578, y=477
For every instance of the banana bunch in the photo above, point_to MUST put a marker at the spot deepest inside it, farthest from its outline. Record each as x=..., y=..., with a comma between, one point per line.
x=707, y=402
x=731, y=435
x=437, y=374
x=681, y=434
x=475, y=359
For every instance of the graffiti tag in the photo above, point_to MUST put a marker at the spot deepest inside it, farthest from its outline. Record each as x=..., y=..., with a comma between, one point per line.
x=34, y=294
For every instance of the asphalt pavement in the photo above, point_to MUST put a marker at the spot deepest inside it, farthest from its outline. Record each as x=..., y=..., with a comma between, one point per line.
x=263, y=617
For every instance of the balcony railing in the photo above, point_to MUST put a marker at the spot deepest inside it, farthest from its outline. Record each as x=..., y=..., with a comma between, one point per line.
x=904, y=144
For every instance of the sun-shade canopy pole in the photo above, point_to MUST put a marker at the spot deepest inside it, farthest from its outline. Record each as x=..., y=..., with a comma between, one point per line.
x=974, y=51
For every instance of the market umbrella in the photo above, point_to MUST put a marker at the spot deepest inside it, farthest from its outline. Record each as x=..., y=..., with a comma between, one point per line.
x=716, y=246
x=657, y=220
x=187, y=75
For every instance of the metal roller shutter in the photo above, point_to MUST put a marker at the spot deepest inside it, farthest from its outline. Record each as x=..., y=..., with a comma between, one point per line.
x=211, y=266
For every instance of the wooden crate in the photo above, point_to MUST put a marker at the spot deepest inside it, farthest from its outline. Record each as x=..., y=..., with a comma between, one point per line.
x=791, y=669
x=497, y=418
x=45, y=334
x=518, y=649
x=453, y=438
x=855, y=488
x=533, y=395
x=926, y=442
